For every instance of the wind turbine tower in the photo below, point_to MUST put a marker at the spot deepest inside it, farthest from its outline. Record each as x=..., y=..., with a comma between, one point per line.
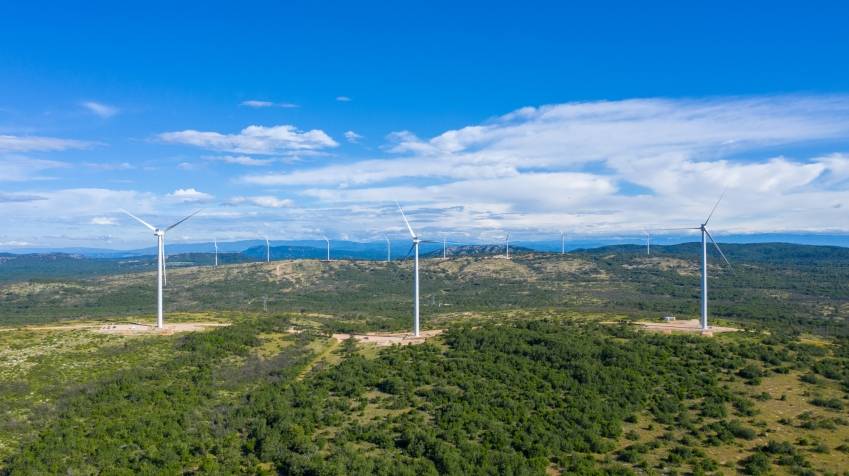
x=703, y=321
x=507, y=245
x=415, y=248
x=388, y=249
x=648, y=242
x=159, y=233
x=215, y=242
x=267, y=250
x=562, y=243
x=328, y=247
x=444, y=247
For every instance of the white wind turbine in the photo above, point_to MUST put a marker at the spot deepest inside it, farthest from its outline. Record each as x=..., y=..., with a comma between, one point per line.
x=267, y=250
x=562, y=242
x=388, y=249
x=415, y=247
x=705, y=235
x=160, y=246
x=648, y=241
x=215, y=242
x=328, y=247
x=507, y=245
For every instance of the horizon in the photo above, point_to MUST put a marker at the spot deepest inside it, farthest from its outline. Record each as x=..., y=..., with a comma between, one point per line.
x=474, y=121
x=539, y=245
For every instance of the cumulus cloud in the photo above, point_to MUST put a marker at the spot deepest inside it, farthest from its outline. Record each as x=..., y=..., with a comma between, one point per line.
x=352, y=137
x=99, y=109
x=254, y=103
x=10, y=143
x=605, y=167
x=190, y=195
x=239, y=160
x=264, y=201
x=254, y=140
x=609, y=164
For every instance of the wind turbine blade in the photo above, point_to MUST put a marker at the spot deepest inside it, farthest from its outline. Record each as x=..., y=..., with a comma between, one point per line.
x=406, y=222
x=719, y=249
x=714, y=207
x=410, y=251
x=184, y=219
x=152, y=228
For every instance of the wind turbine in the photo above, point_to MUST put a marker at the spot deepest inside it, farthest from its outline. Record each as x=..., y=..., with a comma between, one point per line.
x=705, y=235
x=648, y=241
x=267, y=251
x=507, y=245
x=415, y=247
x=215, y=242
x=328, y=247
x=388, y=249
x=444, y=248
x=160, y=246
x=562, y=242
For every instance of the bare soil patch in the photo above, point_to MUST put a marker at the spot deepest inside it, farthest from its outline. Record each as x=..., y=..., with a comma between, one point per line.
x=169, y=329
x=685, y=326
x=388, y=339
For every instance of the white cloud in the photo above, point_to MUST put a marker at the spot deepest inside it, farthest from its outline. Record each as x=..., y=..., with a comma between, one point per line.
x=10, y=143
x=20, y=197
x=20, y=169
x=352, y=137
x=255, y=140
x=265, y=201
x=103, y=110
x=603, y=166
x=109, y=166
x=343, y=99
x=190, y=195
x=239, y=160
x=103, y=221
x=263, y=104
x=255, y=103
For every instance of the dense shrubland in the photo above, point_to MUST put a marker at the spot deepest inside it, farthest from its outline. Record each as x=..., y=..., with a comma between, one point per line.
x=508, y=397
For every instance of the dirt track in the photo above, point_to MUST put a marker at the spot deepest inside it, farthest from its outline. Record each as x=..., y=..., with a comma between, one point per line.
x=126, y=329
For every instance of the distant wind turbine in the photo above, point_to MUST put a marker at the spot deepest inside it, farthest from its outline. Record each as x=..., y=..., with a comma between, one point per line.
x=160, y=246
x=648, y=241
x=562, y=242
x=444, y=248
x=705, y=236
x=267, y=250
x=215, y=242
x=388, y=249
x=507, y=245
x=328, y=247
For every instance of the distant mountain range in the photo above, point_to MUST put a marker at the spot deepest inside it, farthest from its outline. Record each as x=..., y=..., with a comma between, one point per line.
x=15, y=267
x=377, y=249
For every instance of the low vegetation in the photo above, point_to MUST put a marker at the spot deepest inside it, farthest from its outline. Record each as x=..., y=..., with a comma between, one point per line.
x=539, y=371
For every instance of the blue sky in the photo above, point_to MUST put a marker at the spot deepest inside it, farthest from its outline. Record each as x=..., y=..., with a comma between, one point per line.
x=302, y=118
